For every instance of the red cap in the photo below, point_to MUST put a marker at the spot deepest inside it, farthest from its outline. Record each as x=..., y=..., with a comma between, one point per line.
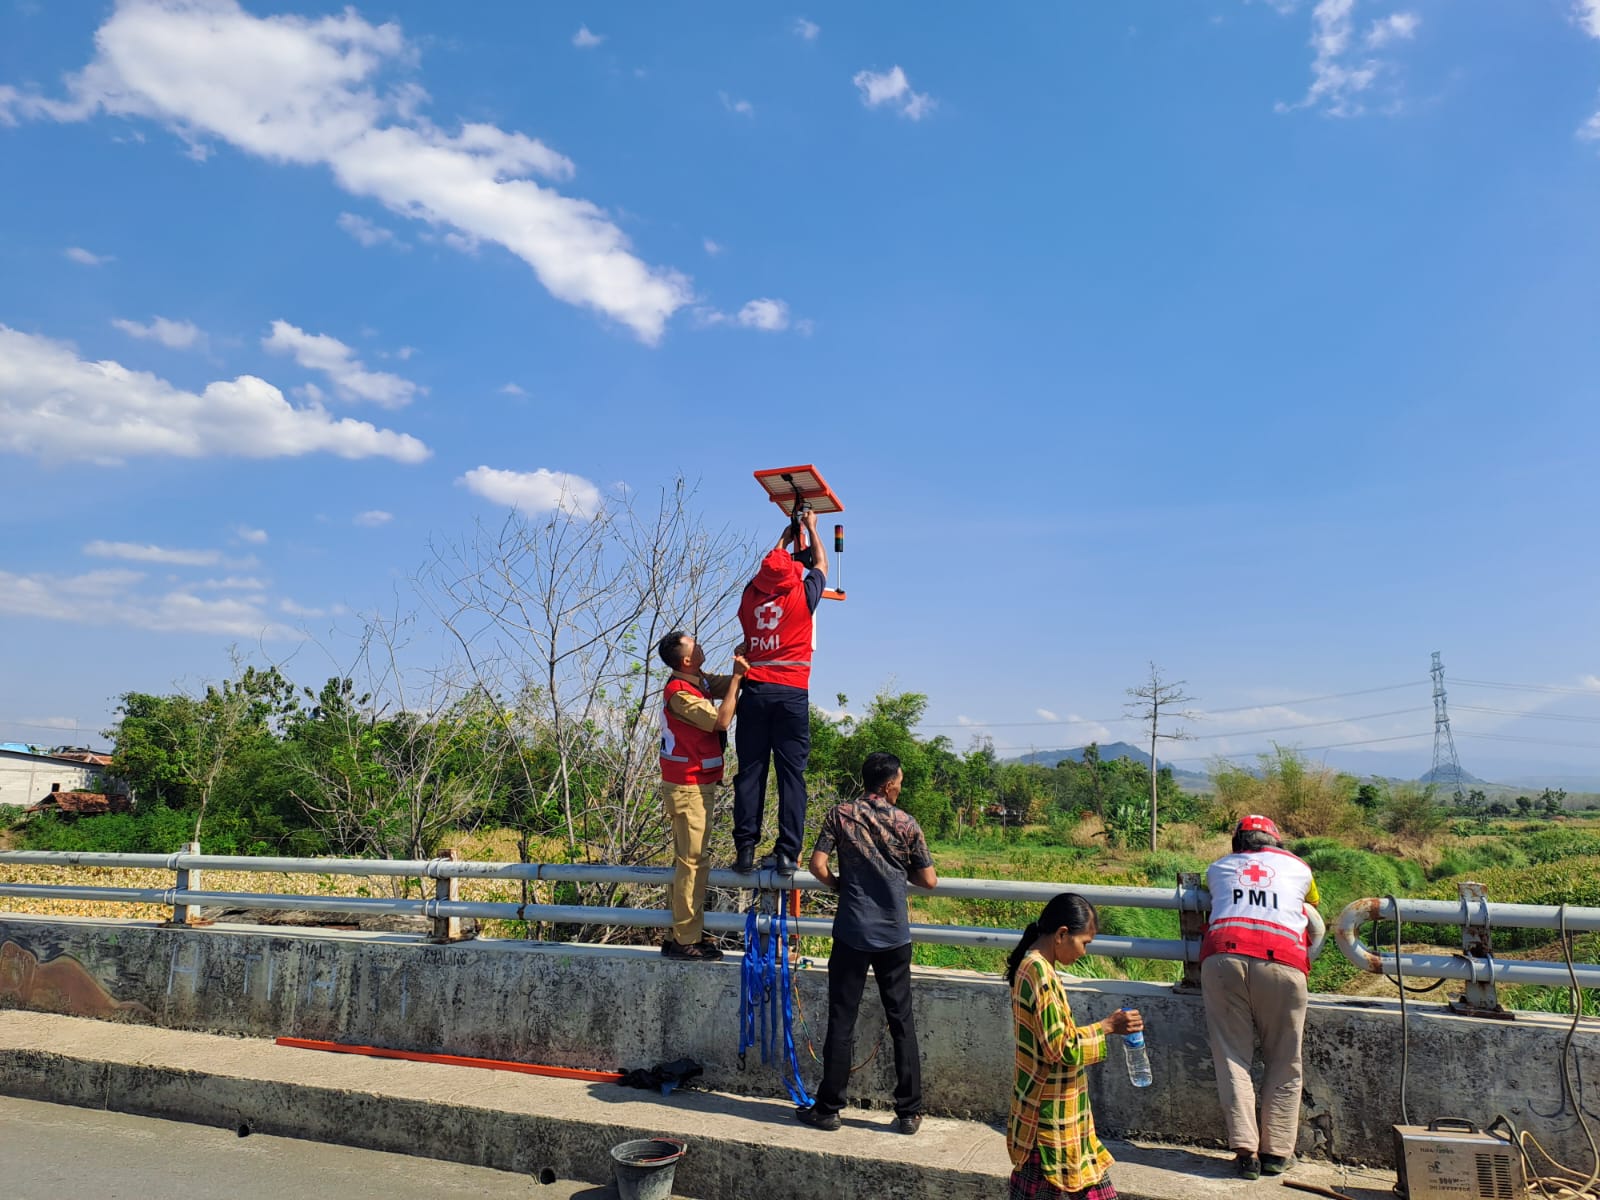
x=1263, y=824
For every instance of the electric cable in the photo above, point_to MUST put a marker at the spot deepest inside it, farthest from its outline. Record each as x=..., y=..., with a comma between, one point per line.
x=1565, y=1181
x=1405, y=1029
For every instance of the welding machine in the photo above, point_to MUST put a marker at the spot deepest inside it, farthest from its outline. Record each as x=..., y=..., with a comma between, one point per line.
x=1452, y=1159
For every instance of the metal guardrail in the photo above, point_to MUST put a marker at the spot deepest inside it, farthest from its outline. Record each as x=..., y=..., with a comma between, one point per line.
x=1476, y=966
x=446, y=909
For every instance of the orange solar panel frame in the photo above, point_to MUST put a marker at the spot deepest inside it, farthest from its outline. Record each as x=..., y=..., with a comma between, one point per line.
x=781, y=484
x=785, y=485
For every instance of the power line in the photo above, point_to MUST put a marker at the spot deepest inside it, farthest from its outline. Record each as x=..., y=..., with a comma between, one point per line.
x=1401, y=737
x=1528, y=687
x=1532, y=716
x=1508, y=737
x=1199, y=715
x=1397, y=712
x=74, y=728
x=1390, y=687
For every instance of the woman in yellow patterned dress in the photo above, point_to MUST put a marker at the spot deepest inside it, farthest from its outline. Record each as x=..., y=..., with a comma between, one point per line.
x=1055, y=1154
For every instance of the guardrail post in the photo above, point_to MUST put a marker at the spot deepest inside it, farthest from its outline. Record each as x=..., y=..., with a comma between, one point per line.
x=1477, y=997
x=447, y=887
x=1192, y=928
x=188, y=881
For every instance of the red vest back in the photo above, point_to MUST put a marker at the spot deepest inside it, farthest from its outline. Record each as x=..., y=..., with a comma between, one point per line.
x=688, y=755
x=1258, y=907
x=779, y=633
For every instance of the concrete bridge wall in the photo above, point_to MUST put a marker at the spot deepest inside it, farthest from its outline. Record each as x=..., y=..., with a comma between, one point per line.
x=611, y=1008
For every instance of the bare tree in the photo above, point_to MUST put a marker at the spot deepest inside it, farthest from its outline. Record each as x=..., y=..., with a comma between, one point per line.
x=1152, y=700
x=391, y=769
x=559, y=615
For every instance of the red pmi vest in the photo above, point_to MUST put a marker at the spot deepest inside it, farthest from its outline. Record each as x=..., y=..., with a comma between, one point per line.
x=1258, y=907
x=779, y=632
x=688, y=755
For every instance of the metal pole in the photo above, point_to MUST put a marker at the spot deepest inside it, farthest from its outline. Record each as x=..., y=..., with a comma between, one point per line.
x=188, y=879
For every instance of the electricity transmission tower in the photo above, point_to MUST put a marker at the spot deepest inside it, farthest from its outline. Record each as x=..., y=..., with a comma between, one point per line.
x=1446, y=766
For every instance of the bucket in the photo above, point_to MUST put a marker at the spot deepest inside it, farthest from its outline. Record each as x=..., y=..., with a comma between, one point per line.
x=644, y=1168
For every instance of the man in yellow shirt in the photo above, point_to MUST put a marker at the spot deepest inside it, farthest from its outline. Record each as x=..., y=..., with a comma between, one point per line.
x=694, y=734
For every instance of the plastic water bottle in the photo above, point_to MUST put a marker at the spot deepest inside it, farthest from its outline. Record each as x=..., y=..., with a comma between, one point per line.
x=1138, y=1056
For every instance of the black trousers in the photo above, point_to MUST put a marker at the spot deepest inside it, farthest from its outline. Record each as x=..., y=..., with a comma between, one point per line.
x=847, y=978
x=774, y=723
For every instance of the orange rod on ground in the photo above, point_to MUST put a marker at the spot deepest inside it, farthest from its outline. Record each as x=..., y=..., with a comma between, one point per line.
x=454, y=1060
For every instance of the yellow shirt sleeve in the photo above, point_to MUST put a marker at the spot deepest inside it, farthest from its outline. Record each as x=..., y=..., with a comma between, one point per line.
x=697, y=710
x=1312, y=895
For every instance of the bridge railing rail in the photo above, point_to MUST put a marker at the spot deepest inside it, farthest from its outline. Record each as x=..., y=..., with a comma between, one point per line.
x=445, y=908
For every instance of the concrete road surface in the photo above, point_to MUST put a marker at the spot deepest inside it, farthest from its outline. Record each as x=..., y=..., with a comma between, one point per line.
x=52, y=1152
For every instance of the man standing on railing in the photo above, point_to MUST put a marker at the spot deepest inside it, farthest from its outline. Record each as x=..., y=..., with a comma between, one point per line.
x=694, y=734
x=776, y=615
x=880, y=848
x=1253, y=967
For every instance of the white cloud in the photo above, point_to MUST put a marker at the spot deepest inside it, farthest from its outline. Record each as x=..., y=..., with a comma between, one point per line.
x=115, y=598
x=1396, y=27
x=136, y=552
x=512, y=389
x=533, y=492
x=891, y=87
x=771, y=316
x=1340, y=78
x=963, y=720
x=319, y=352
x=233, y=583
x=77, y=254
x=256, y=537
x=58, y=407
x=1587, y=14
x=807, y=30
x=405, y=352
x=713, y=248
x=584, y=40
x=373, y=517
x=290, y=608
x=368, y=233
x=1046, y=715
x=312, y=91
x=743, y=107
x=1085, y=731
x=179, y=335
x=1592, y=682
x=50, y=722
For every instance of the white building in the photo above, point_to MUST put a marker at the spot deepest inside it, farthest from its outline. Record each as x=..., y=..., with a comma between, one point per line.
x=27, y=776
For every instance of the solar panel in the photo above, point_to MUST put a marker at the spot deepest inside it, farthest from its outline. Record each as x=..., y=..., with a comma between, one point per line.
x=784, y=484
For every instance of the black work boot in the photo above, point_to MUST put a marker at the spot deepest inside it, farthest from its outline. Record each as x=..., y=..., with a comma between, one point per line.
x=744, y=861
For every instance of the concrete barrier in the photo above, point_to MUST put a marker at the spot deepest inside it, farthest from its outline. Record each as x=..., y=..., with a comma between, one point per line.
x=620, y=1007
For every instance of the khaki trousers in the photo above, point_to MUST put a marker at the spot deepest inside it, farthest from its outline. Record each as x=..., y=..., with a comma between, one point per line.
x=1246, y=997
x=688, y=806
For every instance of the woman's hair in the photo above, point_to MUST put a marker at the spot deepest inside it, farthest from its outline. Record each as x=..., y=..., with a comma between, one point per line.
x=1068, y=911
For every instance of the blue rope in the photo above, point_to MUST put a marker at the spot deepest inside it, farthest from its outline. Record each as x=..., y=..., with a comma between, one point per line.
x=762, y=974
x=797, y=1090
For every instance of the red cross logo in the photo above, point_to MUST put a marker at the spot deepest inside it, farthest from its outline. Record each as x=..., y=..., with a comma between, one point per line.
x=768, y=615
x=1256, y=874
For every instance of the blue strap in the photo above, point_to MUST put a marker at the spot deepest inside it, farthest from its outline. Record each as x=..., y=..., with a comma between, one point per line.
x=797, y=1089
x=762, y=974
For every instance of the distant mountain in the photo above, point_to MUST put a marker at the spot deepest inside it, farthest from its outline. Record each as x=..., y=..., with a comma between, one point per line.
x=1108, y=752
x=1467, y=778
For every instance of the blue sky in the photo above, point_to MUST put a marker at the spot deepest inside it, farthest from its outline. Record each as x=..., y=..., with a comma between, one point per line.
x=1255, y=339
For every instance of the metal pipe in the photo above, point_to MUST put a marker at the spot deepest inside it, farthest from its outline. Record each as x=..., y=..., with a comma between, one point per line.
x=986, y=889
x=1347, y=934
